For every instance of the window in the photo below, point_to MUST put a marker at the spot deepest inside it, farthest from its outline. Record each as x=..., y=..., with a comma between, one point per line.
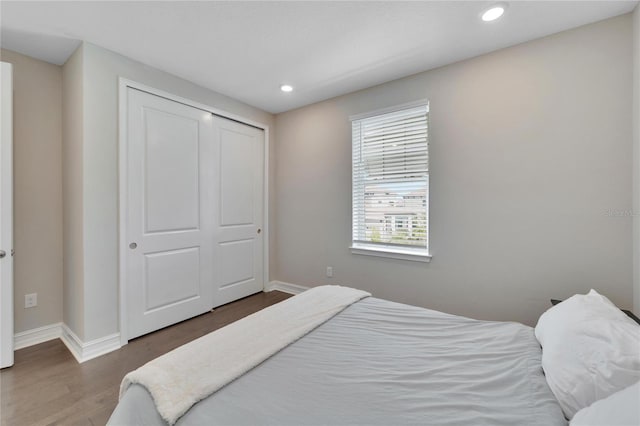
x=391, y=183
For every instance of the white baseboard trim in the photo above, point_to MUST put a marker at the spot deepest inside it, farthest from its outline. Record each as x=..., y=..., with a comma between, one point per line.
x=35, y=336
x=285, y=287
x=81, y=351
x=84, y=351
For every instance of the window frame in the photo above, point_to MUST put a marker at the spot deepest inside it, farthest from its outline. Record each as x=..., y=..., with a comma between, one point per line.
x=405, y=252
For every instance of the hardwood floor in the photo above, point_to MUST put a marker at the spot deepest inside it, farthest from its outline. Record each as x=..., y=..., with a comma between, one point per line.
x=46, y=386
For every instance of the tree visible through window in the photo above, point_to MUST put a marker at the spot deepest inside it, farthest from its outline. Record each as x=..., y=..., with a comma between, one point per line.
x=391, y=179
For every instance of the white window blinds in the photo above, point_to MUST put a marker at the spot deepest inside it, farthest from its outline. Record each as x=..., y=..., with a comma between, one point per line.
x=391, y=179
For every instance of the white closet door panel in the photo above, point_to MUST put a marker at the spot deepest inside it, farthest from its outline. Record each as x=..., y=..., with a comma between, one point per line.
x=172, y=190
x=170, y=215
x=163, y=270
x=237, y=180
x=240, y=199
x=238, y=258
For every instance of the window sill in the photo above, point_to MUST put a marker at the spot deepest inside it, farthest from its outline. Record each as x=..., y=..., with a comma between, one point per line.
x=391, y=252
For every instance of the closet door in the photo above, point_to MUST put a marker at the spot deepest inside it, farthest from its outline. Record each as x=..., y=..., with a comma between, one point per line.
x=240, y=154
x=170, y=212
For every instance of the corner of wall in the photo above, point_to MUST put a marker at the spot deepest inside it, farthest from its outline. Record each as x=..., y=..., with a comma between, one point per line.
x=72, y=193
x=273, y=158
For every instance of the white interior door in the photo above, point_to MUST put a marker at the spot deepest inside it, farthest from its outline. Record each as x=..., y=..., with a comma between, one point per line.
x=6, y=216
x=170, y=217
x=240, y=154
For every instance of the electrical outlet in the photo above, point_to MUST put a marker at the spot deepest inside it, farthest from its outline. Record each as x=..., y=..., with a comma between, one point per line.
x=30, y=300
x=330, y=271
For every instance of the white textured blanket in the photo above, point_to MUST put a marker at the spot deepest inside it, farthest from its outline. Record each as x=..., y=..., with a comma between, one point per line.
x=192, y=372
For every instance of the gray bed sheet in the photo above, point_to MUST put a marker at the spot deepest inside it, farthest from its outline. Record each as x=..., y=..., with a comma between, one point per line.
x=382, y=363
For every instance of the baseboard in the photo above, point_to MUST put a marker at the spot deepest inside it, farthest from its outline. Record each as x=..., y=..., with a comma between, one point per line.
x=36, y=336
x=84, y=351
x=285, y=287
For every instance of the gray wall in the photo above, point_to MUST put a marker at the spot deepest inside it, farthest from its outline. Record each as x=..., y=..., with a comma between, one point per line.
x=101, y=69
x=530, y=147
x=37, y=190
x=72, y=125
x=636, y=159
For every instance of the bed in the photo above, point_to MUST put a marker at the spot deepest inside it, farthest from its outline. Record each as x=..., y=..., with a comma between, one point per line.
x=378, y=362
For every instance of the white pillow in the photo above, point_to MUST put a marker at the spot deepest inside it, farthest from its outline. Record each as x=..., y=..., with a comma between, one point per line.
x=590, y=350
x=620, y=409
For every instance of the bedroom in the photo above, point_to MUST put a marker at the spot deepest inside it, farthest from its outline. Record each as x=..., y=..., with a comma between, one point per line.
x=532, y=147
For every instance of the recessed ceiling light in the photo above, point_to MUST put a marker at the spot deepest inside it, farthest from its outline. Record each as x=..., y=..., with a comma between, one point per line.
x=286, y=88
x=494, y=12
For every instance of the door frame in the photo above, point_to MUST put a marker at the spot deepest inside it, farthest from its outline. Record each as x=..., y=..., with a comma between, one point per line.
x=6, y=204
x=124, y=85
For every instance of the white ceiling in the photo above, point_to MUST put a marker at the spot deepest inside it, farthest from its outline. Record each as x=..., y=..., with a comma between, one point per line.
x=246, y=50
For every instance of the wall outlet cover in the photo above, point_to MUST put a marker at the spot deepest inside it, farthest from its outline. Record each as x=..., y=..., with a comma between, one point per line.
x=30, y=300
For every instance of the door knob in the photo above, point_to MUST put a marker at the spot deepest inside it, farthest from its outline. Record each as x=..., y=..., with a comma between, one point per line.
x=133, y=246
x=259, y=230
x=2, y=254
